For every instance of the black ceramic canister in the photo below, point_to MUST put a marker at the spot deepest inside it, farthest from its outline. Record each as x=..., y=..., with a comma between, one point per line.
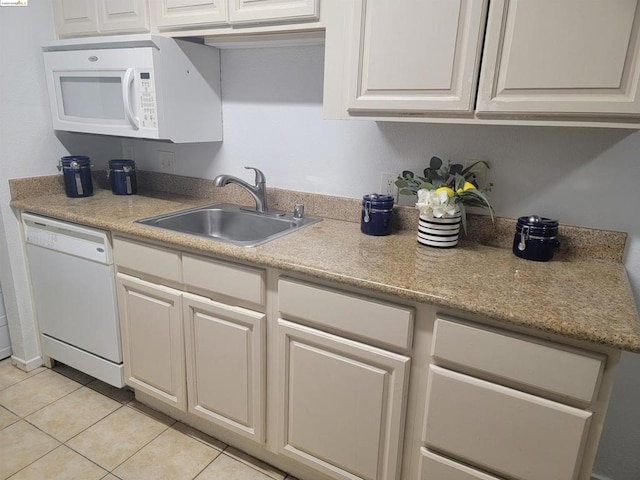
x=376, y=215
x=76, y=171
x=536, y=238
x=122, y=175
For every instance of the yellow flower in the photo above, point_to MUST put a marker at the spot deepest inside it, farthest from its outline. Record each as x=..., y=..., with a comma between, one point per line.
x=449, y=190
x=465, y=187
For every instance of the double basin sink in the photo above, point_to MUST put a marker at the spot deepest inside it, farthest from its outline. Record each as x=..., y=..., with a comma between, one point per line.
x=231, y=223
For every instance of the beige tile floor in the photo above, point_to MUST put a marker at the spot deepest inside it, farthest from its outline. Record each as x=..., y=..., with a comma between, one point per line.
x=63, y=424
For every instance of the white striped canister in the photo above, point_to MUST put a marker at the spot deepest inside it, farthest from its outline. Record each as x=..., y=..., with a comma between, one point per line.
x=439, y=232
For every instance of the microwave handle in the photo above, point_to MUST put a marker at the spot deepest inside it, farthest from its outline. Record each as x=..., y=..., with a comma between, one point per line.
x=126, y=96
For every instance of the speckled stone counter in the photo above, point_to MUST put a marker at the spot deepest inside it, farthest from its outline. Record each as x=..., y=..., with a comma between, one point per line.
x=581, y=294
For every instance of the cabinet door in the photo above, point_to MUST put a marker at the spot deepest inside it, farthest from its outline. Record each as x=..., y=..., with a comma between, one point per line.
x=503, y=431
x=253, y=11
x=75, y=17
x=569, y=57
x=417, y=56
x=167, y=14
x=225, y=351
x=117, y=16
x=341, y=404
x=152, y=339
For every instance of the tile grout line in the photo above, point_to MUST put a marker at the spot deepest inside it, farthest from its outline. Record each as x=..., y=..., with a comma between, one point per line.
x=130, y=404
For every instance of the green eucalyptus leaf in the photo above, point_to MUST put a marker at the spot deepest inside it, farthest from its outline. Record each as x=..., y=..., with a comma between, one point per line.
x=479, y=162
x=463, y=212
x=455, y=169
x=407, y=174
x=435, y=163
x=401, y=183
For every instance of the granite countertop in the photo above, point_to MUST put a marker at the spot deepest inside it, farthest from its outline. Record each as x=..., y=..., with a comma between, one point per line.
x=583, y=298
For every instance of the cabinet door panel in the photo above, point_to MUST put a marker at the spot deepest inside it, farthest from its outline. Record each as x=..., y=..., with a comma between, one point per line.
x=549, y=57
x=225, y=350
x=501, y=430
x=251, y=11
x=167, y=14
x=417, y=56
x=342, y=404
x=75, y=17
x=123, y=16
x=151, y=326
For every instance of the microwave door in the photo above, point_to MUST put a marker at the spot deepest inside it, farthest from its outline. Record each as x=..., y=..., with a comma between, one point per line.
x=96, y=101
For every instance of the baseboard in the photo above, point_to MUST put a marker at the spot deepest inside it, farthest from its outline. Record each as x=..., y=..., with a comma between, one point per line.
x=595, y=476
x=26, y=365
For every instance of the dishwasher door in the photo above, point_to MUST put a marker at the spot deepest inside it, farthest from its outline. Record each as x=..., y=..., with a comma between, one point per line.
x=73, y=284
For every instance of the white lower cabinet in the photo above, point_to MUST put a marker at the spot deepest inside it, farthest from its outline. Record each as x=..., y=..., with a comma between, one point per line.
x=321, y=387
x=152, y=339
x=225, y=350
x=196, y=354
x=341, y=403
x=504, y=405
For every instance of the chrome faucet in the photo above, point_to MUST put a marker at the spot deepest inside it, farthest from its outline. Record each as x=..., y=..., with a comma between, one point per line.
x=258, y=192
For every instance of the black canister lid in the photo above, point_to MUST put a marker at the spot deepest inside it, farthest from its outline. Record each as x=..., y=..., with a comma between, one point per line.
x=80, y=160
x=378, y=201
x=538, y=226
x=119, y=163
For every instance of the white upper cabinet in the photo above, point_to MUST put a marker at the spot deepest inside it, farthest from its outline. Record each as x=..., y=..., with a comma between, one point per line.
x=189, y=13
x=75, y=17
x=416, y=55
x=571, y=57
x=198, y=14
x=119, y=16
x=81, y=17
x=543, y=62
x=251, y=11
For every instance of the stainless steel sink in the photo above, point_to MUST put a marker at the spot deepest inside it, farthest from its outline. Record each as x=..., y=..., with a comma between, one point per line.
x=231, y=223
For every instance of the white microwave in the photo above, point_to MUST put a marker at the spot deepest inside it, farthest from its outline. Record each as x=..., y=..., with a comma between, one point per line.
x=141, y=86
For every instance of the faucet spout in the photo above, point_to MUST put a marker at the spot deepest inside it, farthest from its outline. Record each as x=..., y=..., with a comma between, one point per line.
x=257, y=191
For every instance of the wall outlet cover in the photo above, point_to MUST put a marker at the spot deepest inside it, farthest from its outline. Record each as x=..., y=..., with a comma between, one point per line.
x=387, y=184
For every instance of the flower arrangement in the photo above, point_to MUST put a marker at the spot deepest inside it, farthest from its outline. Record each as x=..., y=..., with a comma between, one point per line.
x=445, y=190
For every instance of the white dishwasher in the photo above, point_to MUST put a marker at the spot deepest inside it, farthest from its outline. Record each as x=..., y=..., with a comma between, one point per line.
x=73, y=285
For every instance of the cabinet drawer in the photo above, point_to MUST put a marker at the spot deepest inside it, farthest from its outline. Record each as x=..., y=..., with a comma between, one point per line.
x=149, y=260
x=237, y=281
x=366, y=318
x=435, y=467
x=523, y=362
x=501, y=430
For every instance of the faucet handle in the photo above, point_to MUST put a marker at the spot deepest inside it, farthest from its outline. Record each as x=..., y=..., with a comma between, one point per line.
x=260, y=178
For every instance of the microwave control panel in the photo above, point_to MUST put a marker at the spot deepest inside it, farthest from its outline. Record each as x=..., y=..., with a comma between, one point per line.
x=147, y=111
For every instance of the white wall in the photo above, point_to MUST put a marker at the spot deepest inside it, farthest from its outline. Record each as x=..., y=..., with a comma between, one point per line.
x=272, y=119
x=28, y=147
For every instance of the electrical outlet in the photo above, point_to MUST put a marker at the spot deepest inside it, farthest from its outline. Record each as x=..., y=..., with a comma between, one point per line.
x=167, y=161
x=128, y=151
x=388, y=184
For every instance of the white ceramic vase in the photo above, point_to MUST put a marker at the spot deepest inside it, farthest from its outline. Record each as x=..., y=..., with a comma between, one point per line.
x=439, y=232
